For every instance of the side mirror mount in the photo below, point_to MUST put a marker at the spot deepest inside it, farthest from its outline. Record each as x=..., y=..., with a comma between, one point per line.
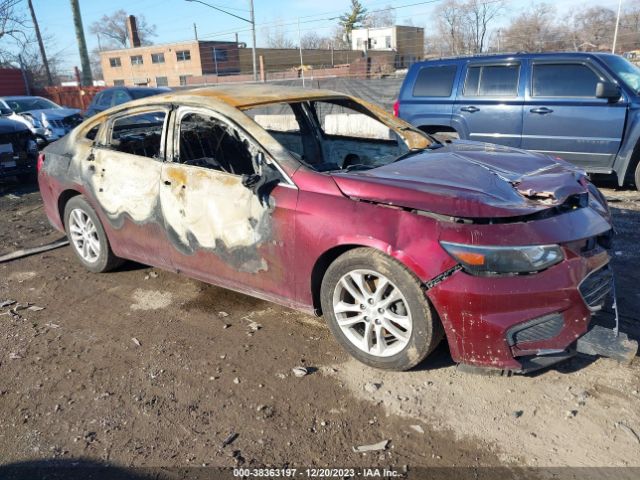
x=608, y=90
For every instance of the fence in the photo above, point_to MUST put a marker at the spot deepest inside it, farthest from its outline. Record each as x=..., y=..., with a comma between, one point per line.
x=72, y=97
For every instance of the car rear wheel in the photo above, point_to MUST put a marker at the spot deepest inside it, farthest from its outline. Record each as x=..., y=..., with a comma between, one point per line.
x=637, y=177
x=377, y=310
x=87, y=238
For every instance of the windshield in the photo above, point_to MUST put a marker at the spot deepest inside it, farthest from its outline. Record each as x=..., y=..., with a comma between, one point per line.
x=335, y=134
x=20, y=105
x=627, y=71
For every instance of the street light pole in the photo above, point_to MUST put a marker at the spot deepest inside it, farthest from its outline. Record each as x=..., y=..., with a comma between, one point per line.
x=252, y=21
x=615, y=34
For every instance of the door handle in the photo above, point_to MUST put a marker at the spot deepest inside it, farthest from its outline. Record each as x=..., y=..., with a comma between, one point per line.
x=470, y=109
x=541, y=110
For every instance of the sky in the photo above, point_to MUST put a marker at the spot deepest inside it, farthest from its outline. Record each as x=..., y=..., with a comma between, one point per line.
x=174, y=19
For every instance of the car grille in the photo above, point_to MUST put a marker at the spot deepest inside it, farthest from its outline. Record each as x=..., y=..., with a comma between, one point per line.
x=596, y=287
x=67, y=123
x=542, y=328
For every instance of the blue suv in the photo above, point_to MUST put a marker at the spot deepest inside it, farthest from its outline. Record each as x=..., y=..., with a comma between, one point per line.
x=582, y=107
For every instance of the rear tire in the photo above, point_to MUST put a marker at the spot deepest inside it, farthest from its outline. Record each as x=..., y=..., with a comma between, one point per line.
x=637, y=177
x=88, y=240
x=377, y=310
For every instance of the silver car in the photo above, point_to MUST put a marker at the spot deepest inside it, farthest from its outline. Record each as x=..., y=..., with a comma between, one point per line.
x=47, y=120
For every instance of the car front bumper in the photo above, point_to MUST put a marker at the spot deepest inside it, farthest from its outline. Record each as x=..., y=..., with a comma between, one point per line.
x=525, y=322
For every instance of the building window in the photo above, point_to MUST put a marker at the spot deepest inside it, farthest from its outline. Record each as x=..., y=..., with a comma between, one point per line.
x=136, y=60
x=115, y=62
x=162, y=82
x=157, y=58
x=220, y=55
x=387, y=42
x=182, y=55
x=118, y=83
x=183, y=79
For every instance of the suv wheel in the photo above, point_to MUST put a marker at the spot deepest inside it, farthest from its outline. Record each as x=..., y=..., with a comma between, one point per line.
x=377, y=310
x=87, y=237
x=637, y=176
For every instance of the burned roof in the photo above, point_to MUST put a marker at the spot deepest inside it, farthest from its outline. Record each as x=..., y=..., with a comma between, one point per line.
x=247, y=96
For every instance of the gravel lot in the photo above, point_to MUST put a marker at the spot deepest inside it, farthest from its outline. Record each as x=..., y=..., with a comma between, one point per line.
x=141, y=367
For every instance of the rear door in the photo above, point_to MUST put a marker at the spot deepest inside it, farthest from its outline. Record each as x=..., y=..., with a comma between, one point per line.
x=427, y=100
x=488, y=107
x=563, y=117
x=122, y=174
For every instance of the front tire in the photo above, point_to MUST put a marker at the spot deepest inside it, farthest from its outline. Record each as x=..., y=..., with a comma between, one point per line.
x=637, y=176
x=377, y=310
x=87, y=237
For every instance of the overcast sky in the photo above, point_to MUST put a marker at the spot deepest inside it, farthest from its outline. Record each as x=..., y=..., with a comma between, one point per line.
x=174, y=18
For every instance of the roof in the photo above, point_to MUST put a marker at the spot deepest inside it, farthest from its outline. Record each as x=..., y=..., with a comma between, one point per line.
x=247, y=96
x=503, y=56
x=19, y=97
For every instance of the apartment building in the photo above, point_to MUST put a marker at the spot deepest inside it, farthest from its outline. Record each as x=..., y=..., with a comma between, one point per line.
x=169, y=64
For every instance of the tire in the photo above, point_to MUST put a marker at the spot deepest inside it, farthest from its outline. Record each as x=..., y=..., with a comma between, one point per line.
x=637, y=177
x=414, y=324
x=98, y=256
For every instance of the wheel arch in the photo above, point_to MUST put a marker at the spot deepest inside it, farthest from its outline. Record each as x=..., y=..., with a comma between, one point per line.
x=63, y=199
x=330, y=255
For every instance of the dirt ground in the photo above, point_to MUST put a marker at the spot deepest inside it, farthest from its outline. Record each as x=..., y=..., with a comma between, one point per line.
x=146, y=368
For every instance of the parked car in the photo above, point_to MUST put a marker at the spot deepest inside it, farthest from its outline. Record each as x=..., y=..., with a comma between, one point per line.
x=46, y=120
x=18, y=149
x=110, y=97
x=582, y=107
x=325, y=203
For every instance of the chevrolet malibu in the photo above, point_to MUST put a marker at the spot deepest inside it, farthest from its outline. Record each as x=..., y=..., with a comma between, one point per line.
x=327, y=204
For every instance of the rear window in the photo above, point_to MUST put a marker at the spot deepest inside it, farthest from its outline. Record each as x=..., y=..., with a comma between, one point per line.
x=564, y=80
x=435, y=81
x=492, y=81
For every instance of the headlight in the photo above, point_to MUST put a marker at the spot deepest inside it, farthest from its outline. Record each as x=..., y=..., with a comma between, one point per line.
x=484, y=260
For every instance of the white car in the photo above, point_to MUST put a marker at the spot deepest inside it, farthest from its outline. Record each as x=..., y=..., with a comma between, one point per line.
x=47, y=120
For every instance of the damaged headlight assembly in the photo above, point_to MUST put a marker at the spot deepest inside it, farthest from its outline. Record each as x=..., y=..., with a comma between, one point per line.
x=490, y=260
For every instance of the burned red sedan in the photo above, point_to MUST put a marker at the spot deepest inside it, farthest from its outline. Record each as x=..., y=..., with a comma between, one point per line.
x=324, y=203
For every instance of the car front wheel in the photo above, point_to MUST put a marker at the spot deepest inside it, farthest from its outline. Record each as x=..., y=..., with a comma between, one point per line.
x=87, y=237
x=377, y=310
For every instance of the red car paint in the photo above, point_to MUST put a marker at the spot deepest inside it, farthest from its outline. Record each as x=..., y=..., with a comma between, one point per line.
x=405, y=209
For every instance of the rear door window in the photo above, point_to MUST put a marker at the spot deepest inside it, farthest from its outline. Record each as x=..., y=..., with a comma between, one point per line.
x=492, y=81
x=435, y=81
x=563, y=80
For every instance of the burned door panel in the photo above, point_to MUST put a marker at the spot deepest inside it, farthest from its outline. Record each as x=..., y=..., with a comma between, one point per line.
x=223, y=231
x=123, y=176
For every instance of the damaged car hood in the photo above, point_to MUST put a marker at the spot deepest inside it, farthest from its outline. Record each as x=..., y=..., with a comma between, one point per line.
x=469, y=180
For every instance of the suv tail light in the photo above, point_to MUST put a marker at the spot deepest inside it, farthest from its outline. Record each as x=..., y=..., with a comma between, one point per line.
x=396, y=108
x=40, y=162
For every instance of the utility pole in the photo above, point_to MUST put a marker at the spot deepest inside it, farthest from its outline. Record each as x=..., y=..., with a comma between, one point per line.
x=251, y=20
x=82, y=44
x=195, y=31
x=43, y=53
x=615, y=34
x=300, y=46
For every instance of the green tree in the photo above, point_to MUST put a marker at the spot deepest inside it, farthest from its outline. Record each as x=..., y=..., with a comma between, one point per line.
x=353, y=18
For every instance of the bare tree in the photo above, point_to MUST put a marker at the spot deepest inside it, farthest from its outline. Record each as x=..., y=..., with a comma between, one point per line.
x=594, y=26
x=312, y=40
x=114, y=28
x=477, y=17
x=533, y=31
x=277, y=37
x=385, y=17
x=450, y=24
x=12, y=22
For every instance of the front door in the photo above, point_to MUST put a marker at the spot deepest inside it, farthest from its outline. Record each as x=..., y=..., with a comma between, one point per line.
x=122, y=172
x=489, y=104
x=229, y=214
x=563, y=117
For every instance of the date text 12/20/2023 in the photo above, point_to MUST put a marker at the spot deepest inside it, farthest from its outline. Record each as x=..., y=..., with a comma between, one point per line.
x=316, y=472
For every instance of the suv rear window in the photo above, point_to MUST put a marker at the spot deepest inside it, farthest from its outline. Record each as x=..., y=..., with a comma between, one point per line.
x=435, y=81
x=492, y=81
x=564, y=80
